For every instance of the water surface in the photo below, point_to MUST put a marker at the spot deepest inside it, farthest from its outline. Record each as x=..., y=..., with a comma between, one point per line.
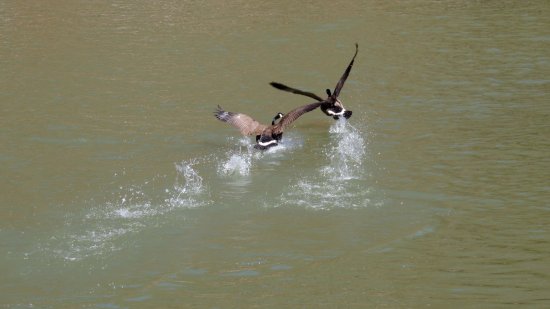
x=119, y=189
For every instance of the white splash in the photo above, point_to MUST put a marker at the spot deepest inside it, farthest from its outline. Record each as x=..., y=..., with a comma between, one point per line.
x=336, y=184
x=188, y=190
x=238, y=162
x=290, y=142
x=134, y=211
x=192, y=182
x=101, y=229
x=346, y=152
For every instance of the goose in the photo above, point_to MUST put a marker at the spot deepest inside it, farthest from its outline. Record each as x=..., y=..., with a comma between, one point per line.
x=266, y=136
x=332, y=106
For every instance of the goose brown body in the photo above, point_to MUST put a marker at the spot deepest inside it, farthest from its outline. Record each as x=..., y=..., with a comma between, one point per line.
x=332, y=106
x=266, y=135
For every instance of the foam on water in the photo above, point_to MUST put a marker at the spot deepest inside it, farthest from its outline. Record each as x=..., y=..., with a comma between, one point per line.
x=336, y=184
x=100, y=229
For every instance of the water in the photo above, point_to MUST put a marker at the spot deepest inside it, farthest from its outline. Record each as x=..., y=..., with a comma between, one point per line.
x=119, y=189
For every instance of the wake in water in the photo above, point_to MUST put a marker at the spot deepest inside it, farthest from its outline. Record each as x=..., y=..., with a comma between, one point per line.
x=131, y=210
x=106, y=226
x=338, y=183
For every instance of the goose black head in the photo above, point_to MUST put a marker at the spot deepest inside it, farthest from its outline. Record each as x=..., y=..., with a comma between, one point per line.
x=277, y=117
x=335, y=108
x=331, y=106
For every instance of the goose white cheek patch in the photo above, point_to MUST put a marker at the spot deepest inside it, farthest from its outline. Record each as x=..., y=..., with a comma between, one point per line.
x=330, y=112
x=267, y=143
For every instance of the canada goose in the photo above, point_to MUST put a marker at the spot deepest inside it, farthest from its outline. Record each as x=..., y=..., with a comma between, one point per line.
x=266, y=136
x=332, y=106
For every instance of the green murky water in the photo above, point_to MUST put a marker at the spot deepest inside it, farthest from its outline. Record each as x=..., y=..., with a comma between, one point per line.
x=119, y=189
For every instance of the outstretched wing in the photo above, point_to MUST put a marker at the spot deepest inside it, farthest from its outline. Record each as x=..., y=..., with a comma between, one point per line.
x=296, y=91
x=342, y=80
x=243, y=122
x=294, y=114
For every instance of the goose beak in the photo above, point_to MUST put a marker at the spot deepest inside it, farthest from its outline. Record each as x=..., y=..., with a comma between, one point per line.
x=347, y=114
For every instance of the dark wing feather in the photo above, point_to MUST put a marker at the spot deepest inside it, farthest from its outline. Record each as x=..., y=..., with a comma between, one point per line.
x=293, y=115
x=342, y=80
x=296, y=91
x=245, y=124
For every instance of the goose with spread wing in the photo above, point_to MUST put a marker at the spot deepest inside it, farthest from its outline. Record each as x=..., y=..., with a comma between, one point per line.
x=266, y=136
x=331, y=106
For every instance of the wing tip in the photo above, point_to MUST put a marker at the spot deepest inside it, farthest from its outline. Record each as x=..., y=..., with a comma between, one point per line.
x=221, y=114
x=278, y=85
